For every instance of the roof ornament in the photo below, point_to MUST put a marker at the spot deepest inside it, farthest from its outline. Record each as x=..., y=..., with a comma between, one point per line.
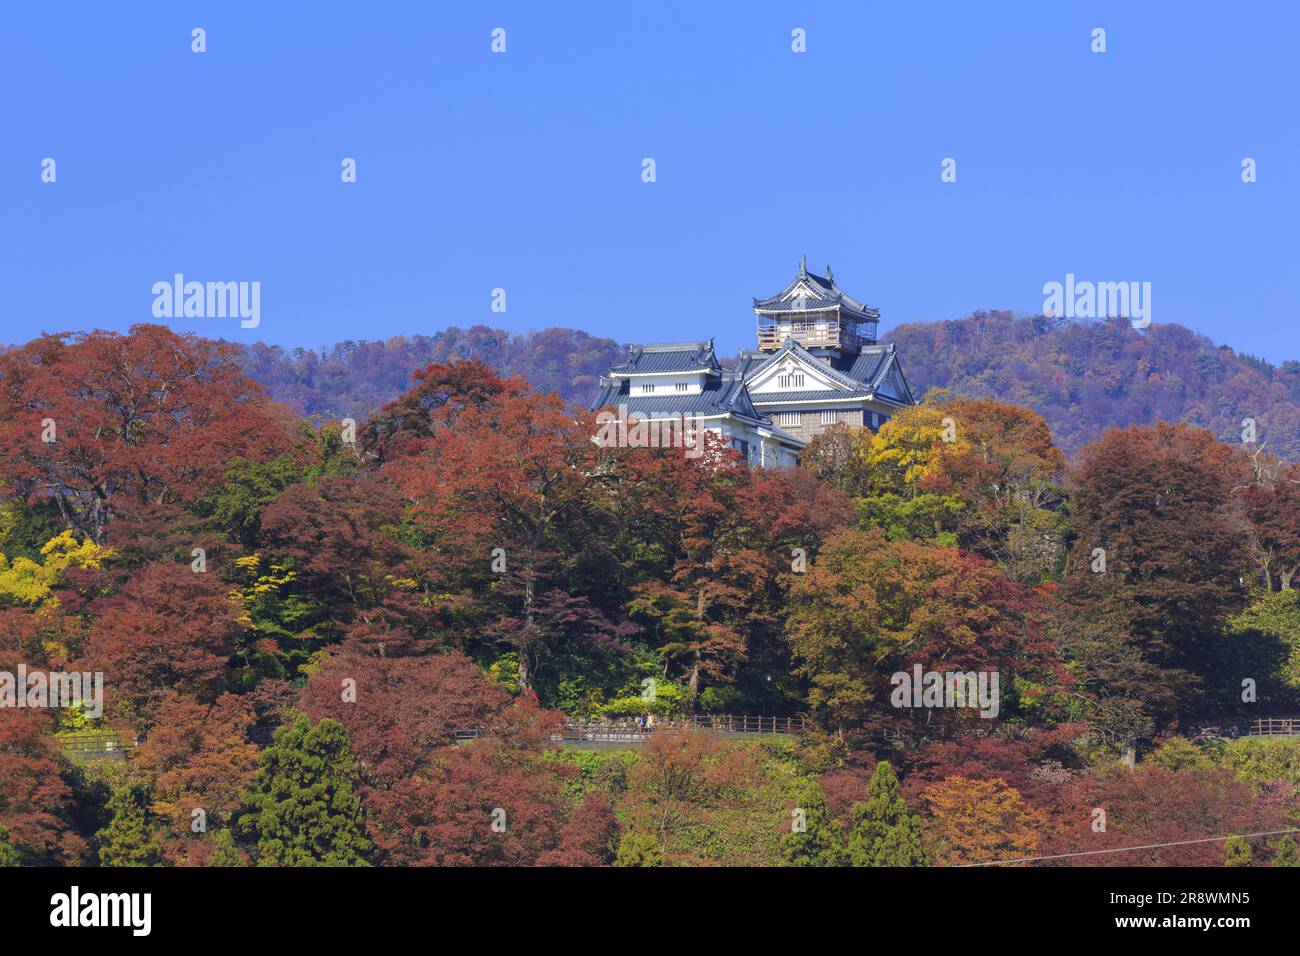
x=830, y=276
x=803, y=263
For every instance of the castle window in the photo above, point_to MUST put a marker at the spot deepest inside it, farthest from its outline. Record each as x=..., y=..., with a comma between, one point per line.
x=683, y=386
x=830, y=418
x=793, y=380
x=647, y=389
x=787, y=418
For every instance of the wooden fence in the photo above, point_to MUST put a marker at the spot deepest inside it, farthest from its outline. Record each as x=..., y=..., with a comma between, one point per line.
x=1263, y=727
x=633, y=729
x=95, y=746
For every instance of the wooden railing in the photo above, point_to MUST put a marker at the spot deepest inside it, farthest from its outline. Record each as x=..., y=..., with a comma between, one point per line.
x=1231, y=730
x=633, y=729
x=723, y=723
x=95, y=746
x=769, y=340
x=1274, y=727
x=828, y=330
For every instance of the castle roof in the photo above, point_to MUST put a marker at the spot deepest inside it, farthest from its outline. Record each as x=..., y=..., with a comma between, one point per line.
x=813, y=293
x=861, y=372
x=674, y=357
x=722, y=394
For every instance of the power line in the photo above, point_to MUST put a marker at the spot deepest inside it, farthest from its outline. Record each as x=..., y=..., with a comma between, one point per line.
x=1127, y=849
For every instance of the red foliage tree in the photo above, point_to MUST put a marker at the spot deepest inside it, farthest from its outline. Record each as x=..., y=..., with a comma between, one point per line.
x=407, y=708
x=406, y=425
x=168, y=629
x=516, y=473
x=139, y=420
x=1155, y=805
x=1038, y=765
x=1160, y=502
x=430, y=801
x=870, y=607
x=197, y=757
x=36, y=804
x=728, y=540
x=1157, y=566
x=1273, y=507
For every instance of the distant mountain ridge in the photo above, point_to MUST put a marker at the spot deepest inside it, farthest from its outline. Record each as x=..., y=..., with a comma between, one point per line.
x=1083, y=377
x=354, y=378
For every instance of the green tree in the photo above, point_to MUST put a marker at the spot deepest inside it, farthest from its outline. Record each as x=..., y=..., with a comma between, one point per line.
x=884, y=833
x=1236, y=852
x=1275, y=615
x=1178, y=753
x=226, y=853
x=8, y=855
x=818, y=843
x=128, y=839
x=639, y=849
x=302, y=810
x=1286, y=852
x=235, y=506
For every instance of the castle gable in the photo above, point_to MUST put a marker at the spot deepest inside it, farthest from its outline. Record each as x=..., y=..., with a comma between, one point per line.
x=791, y=368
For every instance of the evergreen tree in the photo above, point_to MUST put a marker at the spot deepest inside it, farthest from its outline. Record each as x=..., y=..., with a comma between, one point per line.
x=302, y=809
x=884, y=833
x=226, y=853
x=8, y=855
x=128, y=839
x=818, y=843
x=1287, y=853
x=639, y=849
x=1236, y=852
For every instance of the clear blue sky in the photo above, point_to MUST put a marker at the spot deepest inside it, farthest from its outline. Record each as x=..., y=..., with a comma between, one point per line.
x=523, y=170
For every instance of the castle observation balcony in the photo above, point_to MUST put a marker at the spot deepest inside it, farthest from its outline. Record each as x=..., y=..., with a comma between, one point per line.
x=816, y=313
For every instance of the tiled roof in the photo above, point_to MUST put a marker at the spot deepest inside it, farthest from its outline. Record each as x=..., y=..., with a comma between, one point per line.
x=724, y=394
x=830, y=370
x=860, y=372
x=674, y=357
x=721, y=395
x=825, y=295
x=869, y=365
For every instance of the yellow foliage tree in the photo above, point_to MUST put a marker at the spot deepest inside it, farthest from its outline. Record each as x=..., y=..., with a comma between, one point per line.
x=27, y=583
x=980, y=821
x=903, y=451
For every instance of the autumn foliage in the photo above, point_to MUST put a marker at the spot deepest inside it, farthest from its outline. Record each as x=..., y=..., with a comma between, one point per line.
x=332, y=646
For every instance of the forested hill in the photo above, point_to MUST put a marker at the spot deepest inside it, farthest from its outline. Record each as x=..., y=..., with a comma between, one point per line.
x=1090, y=376
x=352, y=379
x=1082, y=377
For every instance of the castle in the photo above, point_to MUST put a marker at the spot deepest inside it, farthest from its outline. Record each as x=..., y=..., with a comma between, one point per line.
x=817, y=363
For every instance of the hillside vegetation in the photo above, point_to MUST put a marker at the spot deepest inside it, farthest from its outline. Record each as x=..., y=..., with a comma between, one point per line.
x=1085, y=377
x=1081, y=377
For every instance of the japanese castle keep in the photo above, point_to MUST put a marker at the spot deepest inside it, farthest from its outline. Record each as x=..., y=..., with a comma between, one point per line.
x=817, y=363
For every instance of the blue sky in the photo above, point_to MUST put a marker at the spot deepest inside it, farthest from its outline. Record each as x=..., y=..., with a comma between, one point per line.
x=523, y=170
